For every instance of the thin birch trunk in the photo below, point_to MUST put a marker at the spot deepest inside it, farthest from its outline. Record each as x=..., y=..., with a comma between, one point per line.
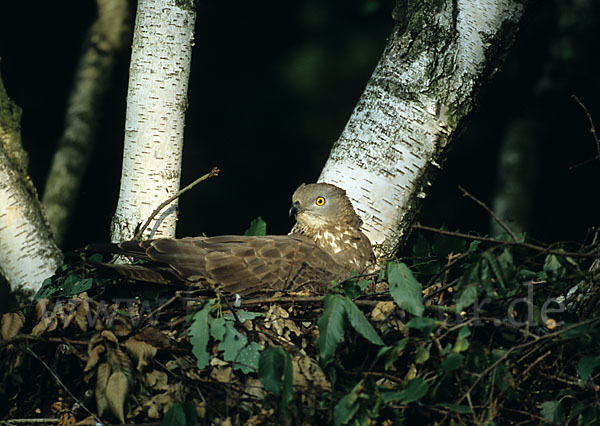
x=28, y=254
x=156, y=104
x=425, y=85
x=107, y=37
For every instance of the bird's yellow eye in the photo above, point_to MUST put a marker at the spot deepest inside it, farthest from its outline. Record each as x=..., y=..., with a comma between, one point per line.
x=320, y=201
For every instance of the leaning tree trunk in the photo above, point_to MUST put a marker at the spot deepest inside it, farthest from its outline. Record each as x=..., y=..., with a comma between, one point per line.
x=108, y=36
x=425, y=85
x=156, y=104
x=28, y=254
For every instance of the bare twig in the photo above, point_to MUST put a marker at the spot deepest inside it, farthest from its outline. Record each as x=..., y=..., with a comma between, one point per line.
x=214, y=172
x=33, y=354
x=592, y=127
x=541, y=249
x=491, y=213
x=519, y=347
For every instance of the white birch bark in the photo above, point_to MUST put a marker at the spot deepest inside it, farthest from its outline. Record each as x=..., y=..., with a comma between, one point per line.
x=156, y=104
x=424, y=86
x=108, y=36
x=28, y=254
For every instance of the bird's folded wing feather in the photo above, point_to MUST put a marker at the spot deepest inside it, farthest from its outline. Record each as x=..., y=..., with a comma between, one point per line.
x=239, y=264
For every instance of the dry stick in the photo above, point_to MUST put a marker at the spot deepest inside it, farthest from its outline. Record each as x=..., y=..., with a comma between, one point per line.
x=508, y=243
x=592, y=127
x=214, y=172
x=522, y=346
x=487, y=209
x=28, y=349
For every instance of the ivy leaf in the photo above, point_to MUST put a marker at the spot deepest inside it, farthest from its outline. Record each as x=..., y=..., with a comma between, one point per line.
x=200, y=332
x=331, y=325
x=360, y=323
x=258, y=227
x=405, y=289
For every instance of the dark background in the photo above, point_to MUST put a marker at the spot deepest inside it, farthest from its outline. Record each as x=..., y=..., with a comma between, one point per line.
x=272, y=86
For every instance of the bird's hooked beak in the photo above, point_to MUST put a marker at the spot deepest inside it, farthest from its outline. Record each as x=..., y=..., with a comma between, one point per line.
x=294, y=209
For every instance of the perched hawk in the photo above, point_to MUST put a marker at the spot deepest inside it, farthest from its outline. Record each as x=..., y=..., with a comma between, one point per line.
x=325, y=245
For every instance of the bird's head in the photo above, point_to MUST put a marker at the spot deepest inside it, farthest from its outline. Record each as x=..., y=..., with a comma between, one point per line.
x=319, y=205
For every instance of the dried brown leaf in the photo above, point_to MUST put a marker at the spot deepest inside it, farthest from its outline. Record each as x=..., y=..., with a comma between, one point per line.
x=117, y=390
x=157, y=380
x=110, y=336
x=11, y=324
x=93, y=357
x=102, y=376
x=153, y=336
x=41, y=307
x=81, y=317
x=309, y=375
x=142, y=352
x=44, y=325
x=381, y=311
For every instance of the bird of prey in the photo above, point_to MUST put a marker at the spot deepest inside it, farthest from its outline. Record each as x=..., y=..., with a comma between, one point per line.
x=325, y=245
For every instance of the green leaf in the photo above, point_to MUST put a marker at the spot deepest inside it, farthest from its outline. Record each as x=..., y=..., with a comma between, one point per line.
x=552, y=412
x=495, y=267
x=421, y=248
x=46, y=290
x=247, y=360
x=199, y=332
x=348, y=406
x=236, y=350
x=360, y=323
x=452, y=362
x=423, y=324
x=258, y=227
x=331, y=325
x=405, y=289
x=276, y=374
x=181, y=415
x=95, y=258
x=552, y=267
x=243, y=316
x=218, y=328
x=443, y=245
x=422, y=354
x=270, y=369
x=466, y=297
x=415, y=389
x=586, y=366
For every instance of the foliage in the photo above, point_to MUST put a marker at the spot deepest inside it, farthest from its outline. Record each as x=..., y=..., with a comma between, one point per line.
x=459, y=331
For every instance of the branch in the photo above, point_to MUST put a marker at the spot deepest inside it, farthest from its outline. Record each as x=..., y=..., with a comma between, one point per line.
x=214, y=172
x=487, y=209
x=541, y=249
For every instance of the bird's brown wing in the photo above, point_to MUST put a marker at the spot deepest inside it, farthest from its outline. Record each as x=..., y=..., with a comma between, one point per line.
x=239, y=264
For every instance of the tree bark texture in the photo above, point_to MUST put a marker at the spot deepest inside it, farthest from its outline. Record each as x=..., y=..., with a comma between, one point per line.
x=156, y=104
x=107, y=37
x=28, y=254
x=426, y=83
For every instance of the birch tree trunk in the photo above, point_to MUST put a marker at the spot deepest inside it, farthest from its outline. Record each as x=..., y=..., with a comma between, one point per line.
x=107, y=37
x=156, y=104
x=28, y=254
x=425, y=85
